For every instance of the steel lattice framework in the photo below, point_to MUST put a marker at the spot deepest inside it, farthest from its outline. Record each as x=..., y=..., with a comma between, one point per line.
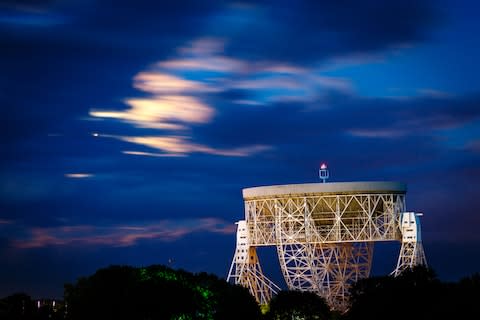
x=324, y=235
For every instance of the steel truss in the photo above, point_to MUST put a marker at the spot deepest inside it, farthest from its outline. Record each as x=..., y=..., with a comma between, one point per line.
x=245, y=269
x=411, y=252
x=326, y=269
x=324, y=241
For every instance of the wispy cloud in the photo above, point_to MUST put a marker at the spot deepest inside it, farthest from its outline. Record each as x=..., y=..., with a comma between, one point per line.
x=78, y=175
x=203, y=46
x=4, y=221
x=162, y=112
x=160, y=83
x=152, y=154
x=352, y=59
x=377, y=133
x=177, y=145
x=180, y=93
x=120, y=235
x=219, y=64
x=432, y=93
x=275, y=82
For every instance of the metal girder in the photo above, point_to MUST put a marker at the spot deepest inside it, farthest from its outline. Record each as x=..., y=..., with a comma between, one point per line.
x=325, y=218
x=326, y=269
x=245, y=269
x=324, y=241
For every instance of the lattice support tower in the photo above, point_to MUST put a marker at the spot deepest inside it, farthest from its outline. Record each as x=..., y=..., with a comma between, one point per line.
x=411, y=251
x=324, y=235
x=246, y=270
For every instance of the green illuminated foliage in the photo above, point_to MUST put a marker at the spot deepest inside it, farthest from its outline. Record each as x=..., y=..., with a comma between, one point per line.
x=157, y=292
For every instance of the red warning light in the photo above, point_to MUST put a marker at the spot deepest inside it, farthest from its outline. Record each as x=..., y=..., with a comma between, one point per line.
x=323, y=166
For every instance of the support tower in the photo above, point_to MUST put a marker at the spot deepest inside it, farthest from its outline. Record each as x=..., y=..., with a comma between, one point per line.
x=324, y=235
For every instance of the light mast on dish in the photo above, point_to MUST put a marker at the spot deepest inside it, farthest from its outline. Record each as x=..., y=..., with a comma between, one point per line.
x=323, y=172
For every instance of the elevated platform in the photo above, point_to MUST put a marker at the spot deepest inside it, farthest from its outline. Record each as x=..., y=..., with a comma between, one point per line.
x=305, y=189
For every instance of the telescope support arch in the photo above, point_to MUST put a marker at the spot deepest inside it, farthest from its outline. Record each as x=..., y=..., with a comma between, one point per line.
x=324, y=235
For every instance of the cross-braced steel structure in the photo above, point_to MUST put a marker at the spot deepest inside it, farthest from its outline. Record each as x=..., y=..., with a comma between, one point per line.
x=324, y=235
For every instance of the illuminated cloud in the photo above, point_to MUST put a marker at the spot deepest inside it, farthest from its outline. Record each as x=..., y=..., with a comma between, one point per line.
x=178, y=89
x=176, y=145
x=284, y=69
x=219, y=64
x=3, y=221
x=169, y=144
x=78, y=175
x=152, y=154
x=160, y=83
x=203, y=46
x=280, y=82
x=120, y=235
x=162, y=112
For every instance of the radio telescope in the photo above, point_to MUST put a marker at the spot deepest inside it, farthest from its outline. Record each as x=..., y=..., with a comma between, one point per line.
x=324, y=235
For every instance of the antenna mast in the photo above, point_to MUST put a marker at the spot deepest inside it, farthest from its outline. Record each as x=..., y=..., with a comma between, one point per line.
x=323, y=172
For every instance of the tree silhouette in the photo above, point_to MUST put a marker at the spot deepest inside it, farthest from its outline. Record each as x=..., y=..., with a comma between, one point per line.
x=288, y=305
x=464, y=298
x=157, y=292
x=415, y=294
x=17, y=306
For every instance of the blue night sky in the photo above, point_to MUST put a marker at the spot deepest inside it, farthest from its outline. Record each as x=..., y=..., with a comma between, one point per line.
x=129, y=128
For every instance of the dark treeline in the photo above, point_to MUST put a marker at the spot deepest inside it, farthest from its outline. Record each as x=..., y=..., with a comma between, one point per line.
x=415, y=294
x=20, y=306
x=158, y=292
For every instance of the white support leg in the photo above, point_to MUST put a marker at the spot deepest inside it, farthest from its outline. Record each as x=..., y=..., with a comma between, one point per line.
x=246, y=271
x=411, y=252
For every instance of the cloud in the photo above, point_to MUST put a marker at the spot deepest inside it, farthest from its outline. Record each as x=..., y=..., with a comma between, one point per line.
x=38, y=14
x=220, y=64
x=275, y=82
x=204, y=46
x=78, y=175
x=311, y=31
x=119, y=235
x=335, y=115
x=176, y=104
x=115, y=51
x=176, y=145
x=266, y=75
x=152, y=154
x=434, y=93
x=160, y=83
x=160, y=112
x=376, y=133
